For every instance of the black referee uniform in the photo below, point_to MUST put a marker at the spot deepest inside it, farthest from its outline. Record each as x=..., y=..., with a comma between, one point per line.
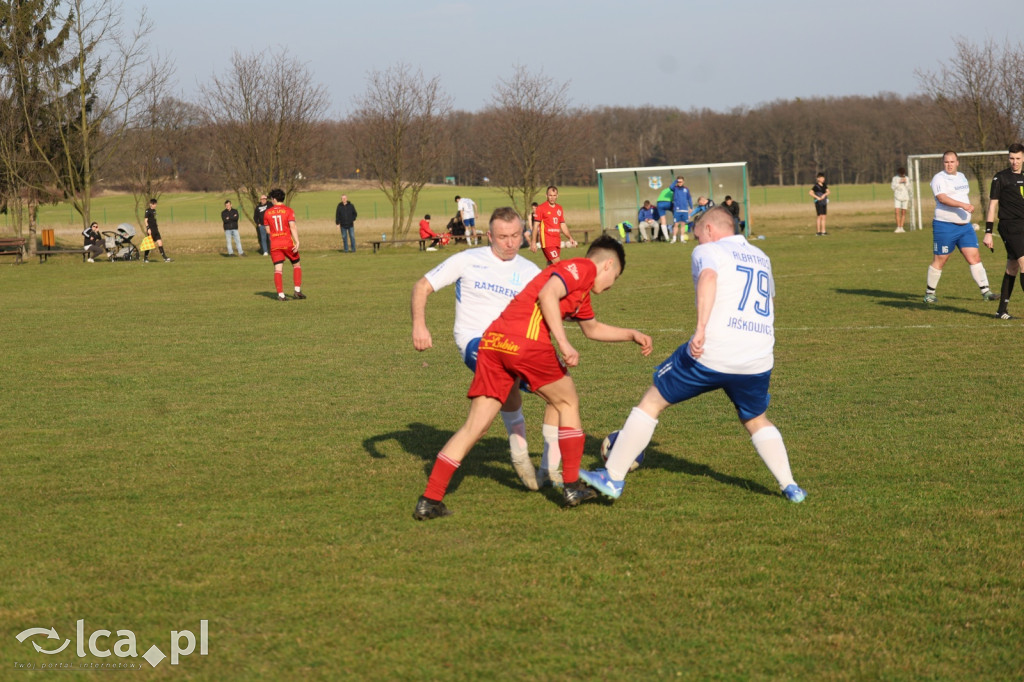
x=1008, y=189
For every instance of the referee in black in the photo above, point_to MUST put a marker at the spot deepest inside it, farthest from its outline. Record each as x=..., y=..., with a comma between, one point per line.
x=1007, y=197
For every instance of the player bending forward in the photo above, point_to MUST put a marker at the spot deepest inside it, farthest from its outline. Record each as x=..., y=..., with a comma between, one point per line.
x=731, y=349
x=519, y=345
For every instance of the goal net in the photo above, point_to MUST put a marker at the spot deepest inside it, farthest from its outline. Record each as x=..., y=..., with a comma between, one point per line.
x=979, y=167
x=622, y=191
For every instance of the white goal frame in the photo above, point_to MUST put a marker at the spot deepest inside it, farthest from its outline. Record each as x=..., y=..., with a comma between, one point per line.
x=914, y=173
x=621, y=191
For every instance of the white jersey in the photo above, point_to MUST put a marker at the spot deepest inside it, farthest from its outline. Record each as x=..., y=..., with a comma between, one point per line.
x=740, y=336
x=467, y=208
x=957, y=188
x=484, y=285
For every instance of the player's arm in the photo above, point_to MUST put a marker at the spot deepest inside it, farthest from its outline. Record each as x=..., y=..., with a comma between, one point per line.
x=421, y=339
x=599, y=331
x=950, y=201
x=548, y=302
x=990, y=219
x=707, y=287
x=294, y=229
x=535, y=236
x=568, y=235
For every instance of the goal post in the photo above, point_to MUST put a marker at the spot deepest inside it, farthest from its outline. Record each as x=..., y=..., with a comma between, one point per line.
x=622, y=191
x=979, y=167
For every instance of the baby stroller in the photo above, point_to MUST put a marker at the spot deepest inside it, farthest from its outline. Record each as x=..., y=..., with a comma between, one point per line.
x=119, y=244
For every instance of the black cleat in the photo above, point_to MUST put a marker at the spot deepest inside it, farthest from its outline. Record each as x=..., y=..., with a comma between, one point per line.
x=1005, y=316
x=428, y=509
x=282, y=297
x=299, y=295
x=574, y=493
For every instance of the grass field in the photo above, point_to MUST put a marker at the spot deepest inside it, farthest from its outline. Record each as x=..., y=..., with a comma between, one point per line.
x=180, y=447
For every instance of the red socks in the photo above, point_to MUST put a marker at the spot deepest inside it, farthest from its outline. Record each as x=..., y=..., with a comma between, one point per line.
x=297, y=276
x=279, y=282
x=440, y=477
x=570, y=442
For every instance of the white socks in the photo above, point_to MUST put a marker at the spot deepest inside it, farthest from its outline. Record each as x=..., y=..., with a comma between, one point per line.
x=768, y=443
x=933, y=277
x=979, y=275
x=515, y=425
x=552, y=457
x=635, y=435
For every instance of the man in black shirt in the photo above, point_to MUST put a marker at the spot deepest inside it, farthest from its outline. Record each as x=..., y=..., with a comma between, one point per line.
x=1007, y=198
x=261, y=229
x=229, y=216
x=154, y=233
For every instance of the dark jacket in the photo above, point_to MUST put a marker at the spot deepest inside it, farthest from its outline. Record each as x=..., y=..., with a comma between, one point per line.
x=257, y=215
x=345, y=216
x=229, y=218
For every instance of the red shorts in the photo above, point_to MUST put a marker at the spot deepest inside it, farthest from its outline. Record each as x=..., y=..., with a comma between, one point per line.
x=503, y=360
x=279, y=255
x=551, y=245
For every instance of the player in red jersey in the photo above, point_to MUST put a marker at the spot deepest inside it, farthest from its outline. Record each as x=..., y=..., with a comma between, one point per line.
x=520, y=345
x=284, y=242
x=552, y=226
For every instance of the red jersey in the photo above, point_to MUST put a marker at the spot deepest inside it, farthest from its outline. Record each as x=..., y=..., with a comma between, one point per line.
x=523, y=318
x=278, y=220
x=551, y=219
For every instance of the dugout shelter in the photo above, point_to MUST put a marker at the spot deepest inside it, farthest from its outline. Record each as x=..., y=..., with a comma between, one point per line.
x=622, y=191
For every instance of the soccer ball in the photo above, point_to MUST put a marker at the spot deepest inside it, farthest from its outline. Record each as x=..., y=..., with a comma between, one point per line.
x=606, y=447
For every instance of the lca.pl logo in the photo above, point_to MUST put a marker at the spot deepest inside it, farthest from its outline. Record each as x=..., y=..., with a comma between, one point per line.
x=183, y=643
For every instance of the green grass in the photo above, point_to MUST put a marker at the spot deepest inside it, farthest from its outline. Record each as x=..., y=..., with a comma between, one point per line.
x=178, y=446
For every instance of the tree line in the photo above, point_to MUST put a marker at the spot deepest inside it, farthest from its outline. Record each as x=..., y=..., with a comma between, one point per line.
x=84, y=106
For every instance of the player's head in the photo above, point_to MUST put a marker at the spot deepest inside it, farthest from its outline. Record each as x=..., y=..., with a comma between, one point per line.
x=276, y=195
x=727, y=199
x=950, y=162
x=344, y=198
x=820, y=177
x=680, y=181
x=1016, y=157
x=263, y=198
x=901, y=171
x=227, y=204
x=152, y=202
x=426, y=217
x=608, y=255
x=552, y=194
x=714, y=224
x=457, y=197
x=506, y=232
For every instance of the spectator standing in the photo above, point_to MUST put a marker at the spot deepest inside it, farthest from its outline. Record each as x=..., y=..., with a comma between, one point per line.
x=646, y=221
x=951, y=227
x=732, y=348
x=284, y=243
x=261, y=229
x=94, y=244
x=1006, y=200
x=229, y=216
x=820, y=193
x=345, y=218
x=901, y=195
x=682, y=204
x=153, y=231
x=466, y=208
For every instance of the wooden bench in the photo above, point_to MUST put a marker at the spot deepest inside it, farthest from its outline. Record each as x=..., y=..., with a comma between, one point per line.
x=423, y=242
x=12, y=246
x=46, y=253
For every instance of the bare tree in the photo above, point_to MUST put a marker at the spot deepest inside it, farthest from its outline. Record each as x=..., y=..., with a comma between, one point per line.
x=399, y=136
x=531, y=135
x=264, y=111
x=95, y=100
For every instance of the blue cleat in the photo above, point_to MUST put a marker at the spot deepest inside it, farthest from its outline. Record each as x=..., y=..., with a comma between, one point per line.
x=793, y=492
x=603, y=483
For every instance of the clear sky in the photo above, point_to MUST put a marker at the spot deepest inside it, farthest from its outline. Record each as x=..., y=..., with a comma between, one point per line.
x=716, y=54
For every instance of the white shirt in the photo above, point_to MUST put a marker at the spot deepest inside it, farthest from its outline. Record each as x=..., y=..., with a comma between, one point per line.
x=957, y=188
x=484, y=285
x=467, y=208
x=740, y=335
x=900, y=187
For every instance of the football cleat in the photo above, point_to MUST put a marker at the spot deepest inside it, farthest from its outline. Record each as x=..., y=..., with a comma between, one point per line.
x=602, y=482
x=794, y=493
x=299, y=295
x=429, y=509
x=524, y=469
x=1005, y=316
x=282, y=297
x=574, y=493
x=551, y=478
x=167, y=260
x=931, y=298
x=989, y=296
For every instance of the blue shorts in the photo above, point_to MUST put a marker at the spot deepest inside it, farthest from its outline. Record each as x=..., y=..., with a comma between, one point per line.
x=469, y=222
x=681, y=377
x=664, y=208
x=947, y=237
x=681, y=216
x=469, y=359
